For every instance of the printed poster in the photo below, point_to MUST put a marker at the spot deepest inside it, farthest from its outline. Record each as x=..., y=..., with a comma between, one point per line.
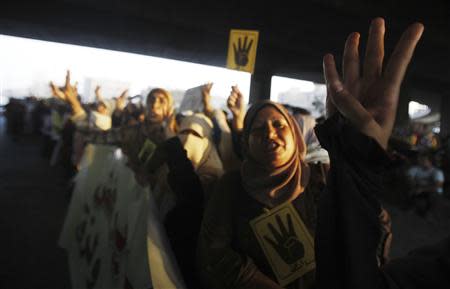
x=192, y=100
x=242, y=50
x=112, y=233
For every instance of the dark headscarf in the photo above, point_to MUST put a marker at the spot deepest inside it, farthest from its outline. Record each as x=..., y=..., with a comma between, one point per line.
x=272, y=186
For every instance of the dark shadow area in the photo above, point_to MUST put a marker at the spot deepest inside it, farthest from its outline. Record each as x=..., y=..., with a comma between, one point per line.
x=33, y=205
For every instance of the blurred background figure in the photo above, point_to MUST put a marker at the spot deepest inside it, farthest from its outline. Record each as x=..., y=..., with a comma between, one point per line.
x=15, y=116
x=426, y=182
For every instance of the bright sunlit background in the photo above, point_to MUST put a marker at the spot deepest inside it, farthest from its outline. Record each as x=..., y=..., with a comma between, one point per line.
x=27, y=66
x=300, y=93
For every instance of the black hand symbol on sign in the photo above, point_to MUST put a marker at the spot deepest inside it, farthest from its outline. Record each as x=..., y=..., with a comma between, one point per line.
x=287, y=245
x=241, y=51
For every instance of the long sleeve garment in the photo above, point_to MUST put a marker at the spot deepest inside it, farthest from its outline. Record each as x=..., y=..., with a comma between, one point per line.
x=229, y=254
x=348, y=232
x=182, y=223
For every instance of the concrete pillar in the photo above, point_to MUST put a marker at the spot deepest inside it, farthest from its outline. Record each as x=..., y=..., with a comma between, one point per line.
x=260, y=86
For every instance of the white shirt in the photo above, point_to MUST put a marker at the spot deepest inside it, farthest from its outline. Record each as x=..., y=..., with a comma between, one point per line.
x=426, y=177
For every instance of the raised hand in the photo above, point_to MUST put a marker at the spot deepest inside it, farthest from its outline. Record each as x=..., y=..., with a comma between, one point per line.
x=56, y=92
x=98, y=94
x=71, y=91
x=241, y=51
x=236, y=104
x=369, y=101
x=71, y=94
x=206, y=99
x=121, y=101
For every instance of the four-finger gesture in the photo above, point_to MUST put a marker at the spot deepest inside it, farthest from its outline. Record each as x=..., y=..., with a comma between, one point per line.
x=369, y=100
x=241, y=51
x=285, y=241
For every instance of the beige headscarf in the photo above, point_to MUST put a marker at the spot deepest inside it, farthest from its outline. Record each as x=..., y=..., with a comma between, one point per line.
x=170, y=125
x=273, y=186
x=200, y=149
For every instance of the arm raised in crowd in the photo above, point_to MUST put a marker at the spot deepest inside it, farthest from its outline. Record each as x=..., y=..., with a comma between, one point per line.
x=208, y=109
x=70, y=95
x=121, y=101
x=98, y=94
x=361, y=110
x=56, y=92
x=369, y=101
x=236, y=104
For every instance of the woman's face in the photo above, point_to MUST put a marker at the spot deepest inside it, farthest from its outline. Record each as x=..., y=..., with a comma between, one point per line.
x=156, y=107
x=271, y=140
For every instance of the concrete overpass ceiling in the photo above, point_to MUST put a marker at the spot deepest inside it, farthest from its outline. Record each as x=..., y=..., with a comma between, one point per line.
x=293, y=35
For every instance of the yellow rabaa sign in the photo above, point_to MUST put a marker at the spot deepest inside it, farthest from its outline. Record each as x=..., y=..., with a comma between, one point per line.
x=146, y=152
x=286, y=243
x=242, y=50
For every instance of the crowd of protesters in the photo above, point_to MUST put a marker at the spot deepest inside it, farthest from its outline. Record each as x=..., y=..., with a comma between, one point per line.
x=215, y=178
x=421, y=174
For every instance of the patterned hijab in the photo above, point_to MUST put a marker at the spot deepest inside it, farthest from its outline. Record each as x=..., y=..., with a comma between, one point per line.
x=273, y=186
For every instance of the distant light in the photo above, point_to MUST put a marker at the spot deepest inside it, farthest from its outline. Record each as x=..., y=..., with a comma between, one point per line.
x=299, y=93
x=417, y=110
x=118, y=154
x=436, y=129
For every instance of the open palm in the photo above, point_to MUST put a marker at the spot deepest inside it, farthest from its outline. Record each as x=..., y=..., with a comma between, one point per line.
x=369, y=100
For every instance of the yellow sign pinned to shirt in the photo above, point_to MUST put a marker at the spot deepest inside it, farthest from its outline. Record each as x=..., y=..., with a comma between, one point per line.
x=147, y=151
x=286, y=243
x=242, y=50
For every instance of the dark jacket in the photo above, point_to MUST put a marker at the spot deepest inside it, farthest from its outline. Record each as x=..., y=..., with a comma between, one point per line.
x=229, y=253
x=348, y=232
x=183, y=222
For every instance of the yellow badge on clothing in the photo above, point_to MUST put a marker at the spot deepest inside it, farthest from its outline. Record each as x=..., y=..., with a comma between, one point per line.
x=146, y=151
x=242, y=50
x=286, y=243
